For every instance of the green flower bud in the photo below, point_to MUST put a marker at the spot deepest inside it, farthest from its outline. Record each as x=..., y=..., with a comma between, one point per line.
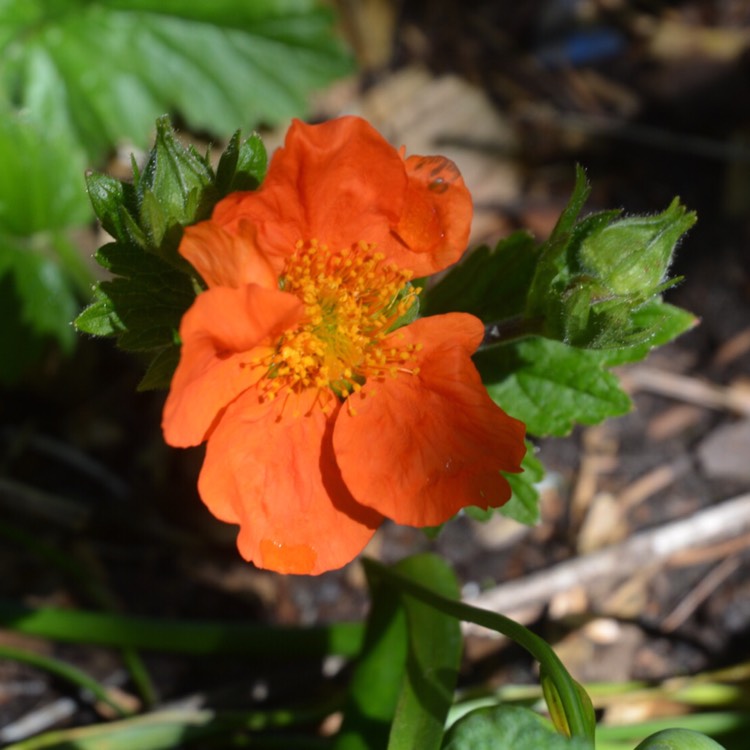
x=632, y=256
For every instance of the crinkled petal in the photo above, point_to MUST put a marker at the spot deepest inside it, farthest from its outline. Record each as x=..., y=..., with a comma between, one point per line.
x=338, y=182
x=435, y=221
x=274, y=466
x=419, y=447
x=224, y=259
x=220, y=333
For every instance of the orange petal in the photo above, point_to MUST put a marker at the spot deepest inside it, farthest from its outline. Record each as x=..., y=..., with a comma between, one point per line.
x=436, y=217
x=338, y=182
x=341, y=182
x=419, y=447
x=219, y=333
x=224, y=259
x=275, y=468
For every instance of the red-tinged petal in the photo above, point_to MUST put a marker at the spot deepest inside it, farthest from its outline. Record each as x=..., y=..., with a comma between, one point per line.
x=224, y=259
x=274, y=467
x=219, y=335
x=436, y=217
x=419, y=447
x=338, y=182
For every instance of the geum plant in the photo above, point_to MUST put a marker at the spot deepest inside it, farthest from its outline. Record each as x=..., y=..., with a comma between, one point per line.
x=290, y=315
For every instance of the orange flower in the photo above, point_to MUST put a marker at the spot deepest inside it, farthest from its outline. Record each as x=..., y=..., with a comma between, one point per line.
x=322, y=412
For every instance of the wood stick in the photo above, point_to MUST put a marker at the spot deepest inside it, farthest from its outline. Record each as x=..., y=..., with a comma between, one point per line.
x=690, y=390
x=655, y=546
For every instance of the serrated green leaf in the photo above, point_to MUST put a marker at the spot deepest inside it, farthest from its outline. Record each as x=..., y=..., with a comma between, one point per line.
x=160, y=370
x=491, y=284
x=551, y=386
x=506, y=727
x=242, y=166
x=101, y=72
x=663, y=321
x=99, y=318
x=149, y=308
x=152, y=285
x=523, y=505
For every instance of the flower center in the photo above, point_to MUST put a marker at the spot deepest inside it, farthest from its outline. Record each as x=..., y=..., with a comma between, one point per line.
x=352, y=299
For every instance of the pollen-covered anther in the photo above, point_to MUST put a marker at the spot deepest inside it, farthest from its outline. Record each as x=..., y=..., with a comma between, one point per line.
x=353, y=299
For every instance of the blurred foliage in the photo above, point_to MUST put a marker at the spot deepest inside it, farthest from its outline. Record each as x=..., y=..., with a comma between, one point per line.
x=79, y=78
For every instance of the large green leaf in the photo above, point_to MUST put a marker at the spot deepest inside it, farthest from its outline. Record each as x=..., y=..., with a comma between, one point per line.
x=432, y=661
x=376, y=683
x=506, y=727
x=42, y=184
x=42, y=276
x=491, y=284
x=104, y=71
x=551, y=386
x=403, y=684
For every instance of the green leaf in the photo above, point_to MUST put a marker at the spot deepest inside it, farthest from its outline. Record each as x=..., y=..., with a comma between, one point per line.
x=37, y=303
x=209, y=638
x=376, y=683
x=65, y=672
x=506, y=727
x=551, y=386
x=160, y=369
x=242, y=166
x=403, y=684
x=432, y=660
x=523, y=505
x=679, y=739
x=101, y=72
x=578, y=713
x=42, y=275
x=41, y=182
x=491, y=284
x=663, y=321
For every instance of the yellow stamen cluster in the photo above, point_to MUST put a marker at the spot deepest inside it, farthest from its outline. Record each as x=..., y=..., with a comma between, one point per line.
x=352, y=300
